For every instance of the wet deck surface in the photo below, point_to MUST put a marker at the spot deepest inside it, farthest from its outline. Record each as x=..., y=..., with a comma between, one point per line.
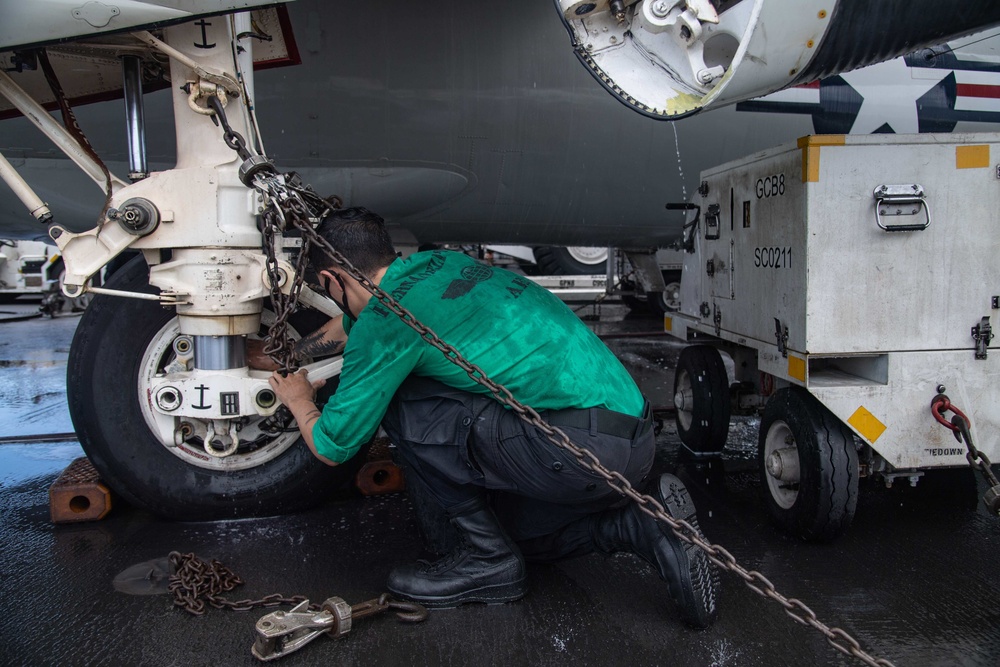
x=916, y=580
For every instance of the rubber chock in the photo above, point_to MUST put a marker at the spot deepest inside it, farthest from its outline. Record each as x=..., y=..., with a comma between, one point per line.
x=78, y=494
x=378, y=477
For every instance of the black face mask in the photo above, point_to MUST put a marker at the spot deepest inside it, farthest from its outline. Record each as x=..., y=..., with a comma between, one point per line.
x=343, y=290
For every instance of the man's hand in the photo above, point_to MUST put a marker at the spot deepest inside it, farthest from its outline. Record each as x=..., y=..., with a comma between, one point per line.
x=299, y=395
x=256, y=358
x=295, y=388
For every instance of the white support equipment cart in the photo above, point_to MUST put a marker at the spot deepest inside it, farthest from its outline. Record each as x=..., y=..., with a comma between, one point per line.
x=854, y=281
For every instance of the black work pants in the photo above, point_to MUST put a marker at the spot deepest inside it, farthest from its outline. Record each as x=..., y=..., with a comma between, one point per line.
x=456, y=446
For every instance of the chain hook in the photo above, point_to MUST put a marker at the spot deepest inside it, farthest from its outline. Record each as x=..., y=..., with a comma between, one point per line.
x=941, y=404
x=408, y=612
x=202, y=89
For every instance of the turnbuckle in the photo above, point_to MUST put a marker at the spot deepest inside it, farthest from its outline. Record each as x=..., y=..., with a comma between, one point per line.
x=282, y=632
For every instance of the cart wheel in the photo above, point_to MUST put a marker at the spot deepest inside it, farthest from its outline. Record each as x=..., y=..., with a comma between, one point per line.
x=808, y=466
x=701, y=396
x=669, y=300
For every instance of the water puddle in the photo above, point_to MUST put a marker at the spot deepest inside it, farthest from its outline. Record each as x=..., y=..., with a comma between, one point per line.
x=20, y=363
x=148, y=578
x=20, y=463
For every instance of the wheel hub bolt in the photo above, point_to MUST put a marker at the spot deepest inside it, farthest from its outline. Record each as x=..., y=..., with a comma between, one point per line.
x=168, y=399
x=660, y=8
x=783, y=464
x=682, y=401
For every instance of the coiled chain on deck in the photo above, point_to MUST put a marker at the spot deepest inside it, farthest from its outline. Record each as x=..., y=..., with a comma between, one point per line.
x=295, y=212
x=196, y=581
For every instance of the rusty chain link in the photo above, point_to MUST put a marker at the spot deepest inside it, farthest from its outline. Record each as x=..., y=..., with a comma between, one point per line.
x=294, y=211
x=976, y=458
x=960, y=426
x=278, y=344
x=195, y=582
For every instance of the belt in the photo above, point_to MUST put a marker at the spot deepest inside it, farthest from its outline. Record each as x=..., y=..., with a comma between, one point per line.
x=607, y=422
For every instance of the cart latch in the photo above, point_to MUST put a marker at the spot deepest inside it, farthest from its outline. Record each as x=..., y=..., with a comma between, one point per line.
x=713, y=227
x=982, y=333
x=905, y=201
x=781, y=333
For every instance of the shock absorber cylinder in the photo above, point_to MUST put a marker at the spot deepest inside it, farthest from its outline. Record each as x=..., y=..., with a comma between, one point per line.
x=219, y=353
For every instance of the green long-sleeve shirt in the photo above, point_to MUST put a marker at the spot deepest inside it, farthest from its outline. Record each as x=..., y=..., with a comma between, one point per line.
x=519, y=333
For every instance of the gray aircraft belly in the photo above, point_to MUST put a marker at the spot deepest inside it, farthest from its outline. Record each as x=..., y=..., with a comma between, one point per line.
x=469, y=123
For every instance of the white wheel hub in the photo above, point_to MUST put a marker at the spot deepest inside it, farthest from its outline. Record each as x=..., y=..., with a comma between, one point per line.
x=672, y=297
x=254, y=446
x=588, y=255
x=684, y=400
x=781, y=462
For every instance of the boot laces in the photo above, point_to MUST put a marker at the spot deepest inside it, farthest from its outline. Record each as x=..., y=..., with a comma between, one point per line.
x=449, y=560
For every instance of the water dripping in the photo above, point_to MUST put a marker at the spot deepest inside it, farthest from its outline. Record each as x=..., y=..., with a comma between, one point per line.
x=680, y=166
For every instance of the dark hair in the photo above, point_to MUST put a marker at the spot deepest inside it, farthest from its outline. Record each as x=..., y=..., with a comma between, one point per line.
x=359, y=235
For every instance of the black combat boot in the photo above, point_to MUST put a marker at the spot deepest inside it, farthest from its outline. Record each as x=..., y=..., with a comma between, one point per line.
x=693, y=580
x=485, y=566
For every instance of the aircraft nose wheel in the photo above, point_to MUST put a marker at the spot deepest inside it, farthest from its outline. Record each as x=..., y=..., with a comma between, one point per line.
x=808, y=466
x=119, y=346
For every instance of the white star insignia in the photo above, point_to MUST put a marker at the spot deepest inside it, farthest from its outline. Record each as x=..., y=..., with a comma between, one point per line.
x=890, y=95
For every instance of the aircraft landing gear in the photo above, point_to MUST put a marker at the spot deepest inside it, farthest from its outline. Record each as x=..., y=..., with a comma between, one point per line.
x=120, y=345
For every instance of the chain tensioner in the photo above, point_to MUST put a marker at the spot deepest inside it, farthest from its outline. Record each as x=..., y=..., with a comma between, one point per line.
x=195, y=582
x=299, y=208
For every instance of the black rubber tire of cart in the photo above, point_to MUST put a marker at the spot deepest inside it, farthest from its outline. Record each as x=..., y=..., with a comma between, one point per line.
x=103, y=370
x=558, y=261
x=702, y=417
x=826, y=495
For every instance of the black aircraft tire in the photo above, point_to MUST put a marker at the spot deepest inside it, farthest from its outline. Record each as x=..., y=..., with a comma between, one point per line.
x=103, y=370
x=701, y=396
x=557, y=261
x=821, y=505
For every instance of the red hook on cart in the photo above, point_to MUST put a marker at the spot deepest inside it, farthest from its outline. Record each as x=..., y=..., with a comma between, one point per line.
x=942, y=404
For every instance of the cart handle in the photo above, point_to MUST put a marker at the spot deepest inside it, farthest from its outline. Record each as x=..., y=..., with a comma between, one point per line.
x=901, y=200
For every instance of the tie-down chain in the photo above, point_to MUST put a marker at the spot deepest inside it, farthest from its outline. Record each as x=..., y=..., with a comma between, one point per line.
x=960, y=426
x=299, y=208
x=195, y=581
